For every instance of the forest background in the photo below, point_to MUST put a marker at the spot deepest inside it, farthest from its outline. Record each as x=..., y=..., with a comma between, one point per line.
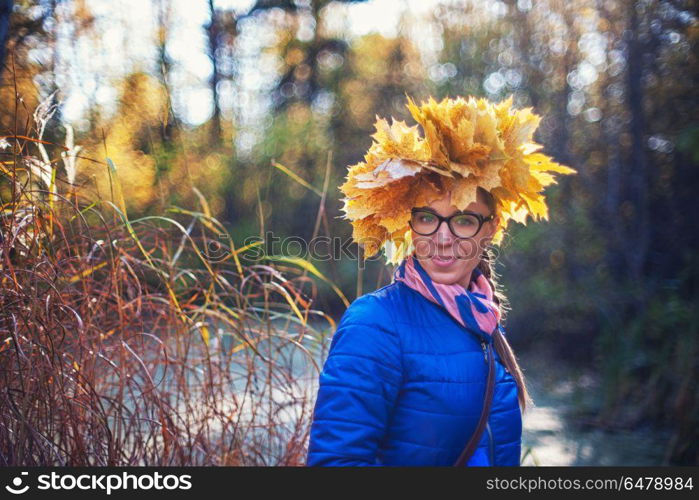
x=189, y=133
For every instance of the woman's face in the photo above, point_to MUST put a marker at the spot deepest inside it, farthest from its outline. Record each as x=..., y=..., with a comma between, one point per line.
x=445, y=257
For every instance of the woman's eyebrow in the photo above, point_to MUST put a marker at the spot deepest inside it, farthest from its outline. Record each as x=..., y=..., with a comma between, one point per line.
x=428, y=209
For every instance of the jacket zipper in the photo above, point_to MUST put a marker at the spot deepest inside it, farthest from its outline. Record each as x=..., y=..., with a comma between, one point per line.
x=490, y=444
x=487, y=425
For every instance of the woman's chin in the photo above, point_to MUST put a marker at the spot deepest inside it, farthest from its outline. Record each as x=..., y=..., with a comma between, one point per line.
x=446, y=275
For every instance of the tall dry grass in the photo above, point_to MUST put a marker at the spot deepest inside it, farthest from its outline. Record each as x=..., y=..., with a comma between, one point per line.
x=129, y=341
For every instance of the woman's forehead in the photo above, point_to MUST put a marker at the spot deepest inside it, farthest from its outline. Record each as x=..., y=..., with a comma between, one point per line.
x=444, y=207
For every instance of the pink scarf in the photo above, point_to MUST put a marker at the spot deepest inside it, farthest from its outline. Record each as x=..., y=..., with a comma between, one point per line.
x=473, y=308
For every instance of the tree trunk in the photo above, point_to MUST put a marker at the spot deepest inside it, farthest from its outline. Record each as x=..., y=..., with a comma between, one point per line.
x=561, y=146
x=212, y=31
x=5, y=10
x=637, y=248
x=165, y=64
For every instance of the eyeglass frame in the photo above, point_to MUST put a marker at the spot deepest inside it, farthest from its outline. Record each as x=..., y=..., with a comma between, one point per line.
x=481, y=220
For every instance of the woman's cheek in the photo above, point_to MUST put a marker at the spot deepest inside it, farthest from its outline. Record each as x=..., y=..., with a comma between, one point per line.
x=423, y=246
x=468, y=250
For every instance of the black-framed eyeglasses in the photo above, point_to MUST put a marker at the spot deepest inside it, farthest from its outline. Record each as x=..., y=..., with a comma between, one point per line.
x=425, y=222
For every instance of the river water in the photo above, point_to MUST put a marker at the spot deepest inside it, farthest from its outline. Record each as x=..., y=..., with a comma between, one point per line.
x=552, y=434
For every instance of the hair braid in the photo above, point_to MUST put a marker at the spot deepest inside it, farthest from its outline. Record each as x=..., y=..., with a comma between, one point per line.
x=502, y=346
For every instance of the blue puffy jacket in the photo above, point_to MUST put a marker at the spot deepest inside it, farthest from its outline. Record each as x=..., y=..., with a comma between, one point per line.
x=403, y=385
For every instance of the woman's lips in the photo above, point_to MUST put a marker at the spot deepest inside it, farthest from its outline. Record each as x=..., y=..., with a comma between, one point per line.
x=443, y=261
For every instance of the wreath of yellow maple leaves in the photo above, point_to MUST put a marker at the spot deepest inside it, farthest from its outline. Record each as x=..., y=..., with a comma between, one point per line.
x=468, y=143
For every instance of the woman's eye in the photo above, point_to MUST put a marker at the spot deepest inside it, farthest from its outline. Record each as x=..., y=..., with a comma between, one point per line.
x=464, y=221
x=426, y=218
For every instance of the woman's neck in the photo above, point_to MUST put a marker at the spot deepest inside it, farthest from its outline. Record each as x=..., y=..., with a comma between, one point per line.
x=466, y=280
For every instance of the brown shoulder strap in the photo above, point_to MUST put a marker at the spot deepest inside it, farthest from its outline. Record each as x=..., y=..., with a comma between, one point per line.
x=476, y=437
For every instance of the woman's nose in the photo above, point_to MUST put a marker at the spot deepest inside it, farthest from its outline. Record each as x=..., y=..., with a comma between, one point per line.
x=443, y=234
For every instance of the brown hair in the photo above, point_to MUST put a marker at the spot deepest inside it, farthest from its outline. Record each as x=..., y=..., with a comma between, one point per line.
x=502, y=346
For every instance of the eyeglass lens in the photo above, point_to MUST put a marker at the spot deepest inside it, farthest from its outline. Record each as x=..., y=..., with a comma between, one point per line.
x=462, y=225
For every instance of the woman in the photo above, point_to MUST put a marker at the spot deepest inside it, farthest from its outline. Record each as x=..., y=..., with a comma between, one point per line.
x=405, y=379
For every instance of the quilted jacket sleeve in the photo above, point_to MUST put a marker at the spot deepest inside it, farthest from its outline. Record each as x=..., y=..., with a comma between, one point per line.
x=358, y=388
